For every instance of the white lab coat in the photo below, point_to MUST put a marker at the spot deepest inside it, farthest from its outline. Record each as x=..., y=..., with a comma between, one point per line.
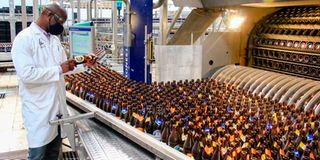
x=41, y=86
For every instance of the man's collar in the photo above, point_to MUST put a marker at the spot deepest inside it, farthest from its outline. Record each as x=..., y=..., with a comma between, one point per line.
x=38, y=28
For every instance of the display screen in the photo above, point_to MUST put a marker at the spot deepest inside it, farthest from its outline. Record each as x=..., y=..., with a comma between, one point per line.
x=81, y=40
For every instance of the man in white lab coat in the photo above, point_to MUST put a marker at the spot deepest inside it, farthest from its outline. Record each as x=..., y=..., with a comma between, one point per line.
x=40, y=62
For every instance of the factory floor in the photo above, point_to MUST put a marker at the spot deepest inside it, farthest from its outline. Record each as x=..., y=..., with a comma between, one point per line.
x=12, y=132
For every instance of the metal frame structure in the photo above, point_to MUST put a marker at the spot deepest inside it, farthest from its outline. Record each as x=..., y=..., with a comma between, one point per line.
x=146, y=141
x=279, y=87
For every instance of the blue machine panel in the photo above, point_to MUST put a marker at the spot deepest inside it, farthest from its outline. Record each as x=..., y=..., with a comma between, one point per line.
x=134, y=63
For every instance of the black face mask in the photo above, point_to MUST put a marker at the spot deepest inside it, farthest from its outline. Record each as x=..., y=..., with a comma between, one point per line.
x=55, y=29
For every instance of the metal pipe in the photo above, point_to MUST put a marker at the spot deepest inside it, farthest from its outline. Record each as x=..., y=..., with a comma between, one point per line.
x=239, y=74
x=115, y=28
x=278, y=86
x=279, y=93
x=244, y=77
x=247, y=82
x=317, y=109
x=314, y=100
x=163, y=23
x=231, y=74
x=72, y=11
x=95, y=10
x=175, y=18
x=71, y=119
x=78, y=11
x=292, y=89
x=216, y=74
x=158, y=4
x=301, y=91
x=271, y=84
x=35, y=10
x=145, y=53
x=12, y=20
x=264, y=83
x=128, y=19
x=251, y=87
x=314, y=90
x=23, y=14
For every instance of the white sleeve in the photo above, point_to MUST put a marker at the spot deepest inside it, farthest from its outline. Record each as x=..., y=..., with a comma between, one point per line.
x=25, y=66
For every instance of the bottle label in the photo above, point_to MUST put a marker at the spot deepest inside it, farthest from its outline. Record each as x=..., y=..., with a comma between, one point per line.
x=114, y=107
x=309, y=137
x=157, y=134
x=158, y=121
x=201, y=144
x=124, y=110
x=223, y=150
x=79, y=59
x=303, y=146
x=183, y=137
x=245, y=145
x=177, y=147
x=296, y=153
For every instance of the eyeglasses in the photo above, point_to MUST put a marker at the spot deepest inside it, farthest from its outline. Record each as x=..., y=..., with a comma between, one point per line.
x=57, y=18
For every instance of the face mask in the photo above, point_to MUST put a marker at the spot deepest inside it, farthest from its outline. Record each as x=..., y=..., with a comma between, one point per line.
x=55, y=29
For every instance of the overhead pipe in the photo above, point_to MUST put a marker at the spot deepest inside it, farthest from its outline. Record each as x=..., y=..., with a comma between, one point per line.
x=248, y=81
x=272, y=84
x=245, y=77
x=285, y=97
x=313, y=102
x=278, y=94
x=300, y=102
x=158, y=4
x=278, y=86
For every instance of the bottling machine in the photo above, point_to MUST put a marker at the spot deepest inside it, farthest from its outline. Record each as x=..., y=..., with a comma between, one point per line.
x=279, y=57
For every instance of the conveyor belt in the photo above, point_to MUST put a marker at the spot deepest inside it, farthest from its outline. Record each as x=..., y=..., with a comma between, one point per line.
x=146, y=141
x=5, y=57
x=6, y=65
x=102, y=142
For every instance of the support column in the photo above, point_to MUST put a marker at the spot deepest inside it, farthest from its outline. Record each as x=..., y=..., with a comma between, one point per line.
x=12, y=20
x=134, y=55
x=23, y=14
x=163, y=23
x=95, y=9
x=78, y=11
x=89, y=11
x=72, y=11
x=35, y=10
x=173, y=22
x=100, y=12
x=115, y=28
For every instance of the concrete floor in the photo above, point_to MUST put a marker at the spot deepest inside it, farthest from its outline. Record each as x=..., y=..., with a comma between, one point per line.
x=12, y=131
x=13, y=136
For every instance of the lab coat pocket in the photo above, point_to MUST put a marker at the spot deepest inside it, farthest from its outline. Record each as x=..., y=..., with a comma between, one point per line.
x=38, y=94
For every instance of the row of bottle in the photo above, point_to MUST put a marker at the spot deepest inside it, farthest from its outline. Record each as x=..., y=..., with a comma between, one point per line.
x=203, y=118
x=287, y=67
x=298, y=12
x=288, y=44
x=287, y=56
x=286, y=31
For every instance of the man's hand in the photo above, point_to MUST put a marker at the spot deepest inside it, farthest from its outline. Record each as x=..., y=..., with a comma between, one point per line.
x=68, y=65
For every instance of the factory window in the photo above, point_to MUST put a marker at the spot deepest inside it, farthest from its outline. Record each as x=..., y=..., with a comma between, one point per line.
x=19, y=26
x=5, y=31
